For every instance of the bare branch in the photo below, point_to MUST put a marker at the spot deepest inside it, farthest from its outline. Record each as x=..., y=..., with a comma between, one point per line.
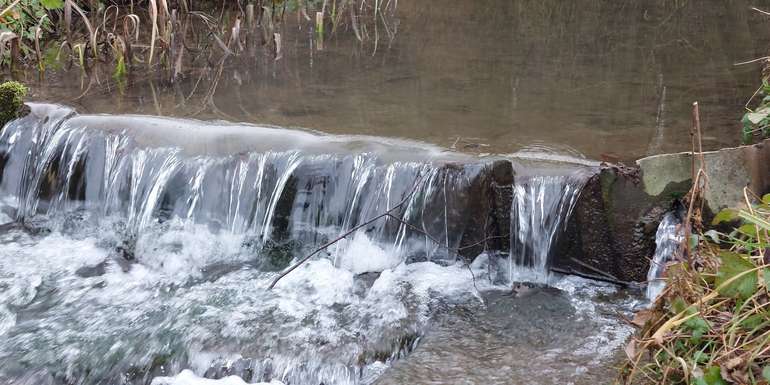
x=347, y=233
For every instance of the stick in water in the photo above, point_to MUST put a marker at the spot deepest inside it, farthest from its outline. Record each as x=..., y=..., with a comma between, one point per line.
x=351, y=231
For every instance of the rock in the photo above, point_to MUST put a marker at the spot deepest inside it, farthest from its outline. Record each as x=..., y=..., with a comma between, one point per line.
x=488, y=211
x=11, y=101
x=615, y=220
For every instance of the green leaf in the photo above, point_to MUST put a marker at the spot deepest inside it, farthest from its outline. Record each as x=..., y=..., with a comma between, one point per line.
x=52, y=4
x=755, y=320
x=698, y=326
x=754, y=219
x=726, y=215
x=757, y=116
x=732, y=265
x=694, y=240
x=701, y=357
x=766, y=373
x=678, y=305
x=766, y=199
x=766, y=278
x=746, y=132
x=748, y=229
x=712, y=376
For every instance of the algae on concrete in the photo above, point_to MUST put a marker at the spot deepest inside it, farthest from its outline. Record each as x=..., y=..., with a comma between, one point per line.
x=729, y=171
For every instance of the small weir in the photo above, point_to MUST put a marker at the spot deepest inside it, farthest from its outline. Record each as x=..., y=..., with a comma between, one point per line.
x=141, y=247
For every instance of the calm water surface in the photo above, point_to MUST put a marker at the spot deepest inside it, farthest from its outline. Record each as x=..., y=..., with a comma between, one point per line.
x=612, y=78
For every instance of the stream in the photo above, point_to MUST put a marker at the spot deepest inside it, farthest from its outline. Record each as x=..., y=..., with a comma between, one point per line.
x=141, y=225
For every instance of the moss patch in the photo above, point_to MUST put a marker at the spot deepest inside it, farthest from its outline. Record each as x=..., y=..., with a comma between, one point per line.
x=11, y=100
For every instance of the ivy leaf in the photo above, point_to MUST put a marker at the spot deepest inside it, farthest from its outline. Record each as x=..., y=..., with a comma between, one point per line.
x=726, y=215
x=698, y=326
x=758, y=116
x=732, y=265
x=712, y=376
x=52, y=4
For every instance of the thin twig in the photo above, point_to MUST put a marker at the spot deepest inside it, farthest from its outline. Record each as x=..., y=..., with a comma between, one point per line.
x=595, y=270
x=8, y=8
x=347, y=233
x=591, y=276
x=752, y=61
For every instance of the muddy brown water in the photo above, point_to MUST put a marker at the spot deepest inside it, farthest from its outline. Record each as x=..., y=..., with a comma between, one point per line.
x=610, y=79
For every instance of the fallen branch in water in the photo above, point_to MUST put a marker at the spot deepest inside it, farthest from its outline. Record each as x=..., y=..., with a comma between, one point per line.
x=387, y=213
x=596, y=277
x=591, y=268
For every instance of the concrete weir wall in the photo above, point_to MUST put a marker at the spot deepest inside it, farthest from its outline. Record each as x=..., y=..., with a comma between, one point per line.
x=615, y=220
x=610, y=230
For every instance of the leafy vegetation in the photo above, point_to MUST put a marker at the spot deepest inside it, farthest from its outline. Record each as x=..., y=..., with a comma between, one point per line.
x=711, y=325
x=21, y=23
x=756, y=122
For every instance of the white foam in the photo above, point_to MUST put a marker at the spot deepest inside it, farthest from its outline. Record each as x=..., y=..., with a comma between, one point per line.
x=361, y=255
x=187, y=377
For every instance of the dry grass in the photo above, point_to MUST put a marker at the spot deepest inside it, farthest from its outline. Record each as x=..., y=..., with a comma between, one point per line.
x=711, y=325
x=157, y=32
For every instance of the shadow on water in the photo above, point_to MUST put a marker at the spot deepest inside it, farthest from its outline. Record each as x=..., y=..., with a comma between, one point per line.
x=538, y=336
x=610, y=78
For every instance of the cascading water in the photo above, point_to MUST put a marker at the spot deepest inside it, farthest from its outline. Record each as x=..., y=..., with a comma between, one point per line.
x=668, y=239
x=155, y=241
x=541, y=206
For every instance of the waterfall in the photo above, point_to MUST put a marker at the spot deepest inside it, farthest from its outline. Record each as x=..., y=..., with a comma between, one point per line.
x=56, y=165
x=129, y=170
x=668, y=238
x=541, y=206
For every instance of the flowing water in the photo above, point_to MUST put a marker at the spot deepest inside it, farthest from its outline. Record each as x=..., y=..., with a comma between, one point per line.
x=139, y=250
x=668, y=240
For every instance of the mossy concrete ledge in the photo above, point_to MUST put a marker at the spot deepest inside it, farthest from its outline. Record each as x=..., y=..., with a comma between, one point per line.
x=729, y=170
x=12, y=101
